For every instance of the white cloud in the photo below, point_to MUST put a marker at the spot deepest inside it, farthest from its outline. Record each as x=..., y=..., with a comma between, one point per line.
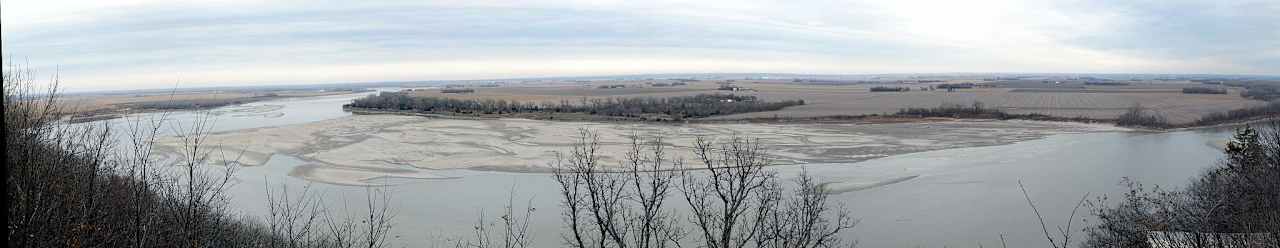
x=123, y=44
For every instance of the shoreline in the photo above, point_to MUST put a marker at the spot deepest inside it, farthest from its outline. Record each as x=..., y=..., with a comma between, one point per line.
x=832, y=119
x=123, y=109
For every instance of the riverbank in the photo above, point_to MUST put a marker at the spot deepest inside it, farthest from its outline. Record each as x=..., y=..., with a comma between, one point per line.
x=846, y=119
x=99, y=108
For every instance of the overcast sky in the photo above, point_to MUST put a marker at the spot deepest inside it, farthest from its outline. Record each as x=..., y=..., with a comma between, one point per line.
x=124, y=44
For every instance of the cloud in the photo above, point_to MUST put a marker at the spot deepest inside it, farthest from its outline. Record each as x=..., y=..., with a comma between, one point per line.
x=154, y=43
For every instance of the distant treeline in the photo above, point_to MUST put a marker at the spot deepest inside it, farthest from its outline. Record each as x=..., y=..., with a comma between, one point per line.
x=1258, y=90
x=1203, y=90
x=669, y=84
x=1105, y=83
x=458, y=91
x=1272, y=109
x=889, y=89
x=646, y=108
x=975, y=110
x=957, y=86
x=1136, y=116
x=195, y=103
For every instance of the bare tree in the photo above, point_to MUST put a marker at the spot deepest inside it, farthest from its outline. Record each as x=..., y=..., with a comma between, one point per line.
x=592, y=197
x=292, y=219
x=652, y=173
x=378, y=217
x=622, y=206
x=736, y=201
x=730, y=202
x=1064, y=233
x=514, y=229
x=805, y=220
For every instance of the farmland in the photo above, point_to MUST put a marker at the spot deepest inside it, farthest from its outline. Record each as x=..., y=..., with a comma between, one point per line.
x=1016, y=97
x=88, y=107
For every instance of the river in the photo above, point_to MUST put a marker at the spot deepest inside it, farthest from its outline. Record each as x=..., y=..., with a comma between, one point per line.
x=962, y=197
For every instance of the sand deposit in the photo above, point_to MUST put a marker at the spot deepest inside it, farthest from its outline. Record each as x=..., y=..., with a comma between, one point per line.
x=356, y=149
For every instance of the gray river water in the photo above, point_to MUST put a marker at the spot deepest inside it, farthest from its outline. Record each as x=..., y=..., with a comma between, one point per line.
x=955, y=198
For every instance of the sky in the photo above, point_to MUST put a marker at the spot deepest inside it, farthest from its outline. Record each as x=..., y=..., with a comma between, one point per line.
x=132, y=44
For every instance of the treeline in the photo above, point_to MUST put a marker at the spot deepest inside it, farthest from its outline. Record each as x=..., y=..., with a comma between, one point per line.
x=1137, y=116
x=1203, y=90
x=1258, y=90
x=1271, y=109
x=190, y=104
x=645, y=108
x=975, y=110
x=457, y=90
x=889, y=89
x=1105, y=83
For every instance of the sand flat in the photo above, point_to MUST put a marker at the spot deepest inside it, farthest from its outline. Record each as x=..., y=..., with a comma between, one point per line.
x=354, y=149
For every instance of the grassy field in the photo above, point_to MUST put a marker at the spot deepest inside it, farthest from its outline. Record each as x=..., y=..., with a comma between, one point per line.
x=1070, y=99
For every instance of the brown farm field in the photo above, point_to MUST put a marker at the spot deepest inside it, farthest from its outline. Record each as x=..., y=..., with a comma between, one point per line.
x=1098, y=102
x=99, y=106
